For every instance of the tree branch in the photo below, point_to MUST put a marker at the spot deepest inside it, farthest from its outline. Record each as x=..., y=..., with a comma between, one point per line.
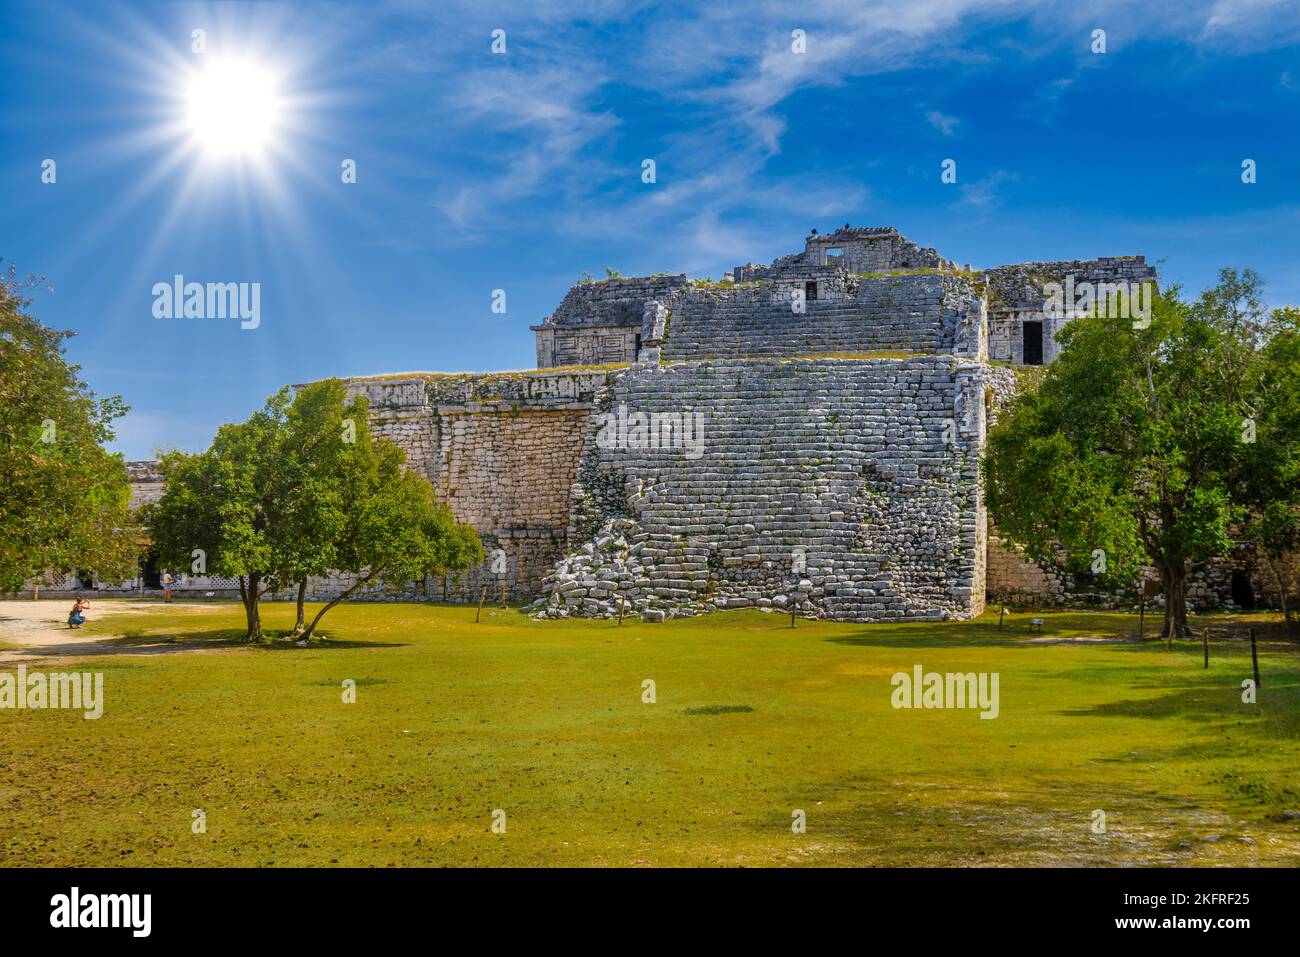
x=310, y=629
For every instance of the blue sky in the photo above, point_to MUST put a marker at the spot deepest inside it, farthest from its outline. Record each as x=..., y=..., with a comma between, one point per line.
x=521, y=171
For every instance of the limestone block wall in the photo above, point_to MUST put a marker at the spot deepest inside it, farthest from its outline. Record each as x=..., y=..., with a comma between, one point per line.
x=1021, y=284
x=1013, y=577
x=1016, y=294
x=585, y=345
x=871, y=249
x=816, y=282
x=504, y=468
x=146, y=482
x=597, y=322
x=502, y=449
x=613, y=302
x=913, y=313
x=856, y=476
x=1265, y=579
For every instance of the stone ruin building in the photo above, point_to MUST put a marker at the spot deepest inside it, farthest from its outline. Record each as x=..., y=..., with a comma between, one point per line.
x=804, y=433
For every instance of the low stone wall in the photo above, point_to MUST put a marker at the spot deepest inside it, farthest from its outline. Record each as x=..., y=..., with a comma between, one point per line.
x=1014, y=577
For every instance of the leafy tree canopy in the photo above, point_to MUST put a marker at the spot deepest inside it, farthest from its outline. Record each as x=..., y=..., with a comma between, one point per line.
x=63, y=498
x=302, y=488
x=1137, y=441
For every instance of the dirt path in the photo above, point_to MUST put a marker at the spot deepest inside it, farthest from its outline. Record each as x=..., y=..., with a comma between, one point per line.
x=39, y=629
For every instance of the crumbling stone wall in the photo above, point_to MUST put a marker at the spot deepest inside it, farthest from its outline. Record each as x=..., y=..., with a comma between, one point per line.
x=1014, y=577
x=846, y=485
x=598, y=321
x=860, y=249
x=502, y=450
x=824, y=479
x=1017, y=296
x=866, y=249
x=922, y=313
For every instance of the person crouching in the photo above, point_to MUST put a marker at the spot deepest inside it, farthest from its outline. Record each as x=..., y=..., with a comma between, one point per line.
x=77, y=617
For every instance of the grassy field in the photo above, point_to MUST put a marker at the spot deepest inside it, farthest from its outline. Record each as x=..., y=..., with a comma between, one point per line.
x=752, y=720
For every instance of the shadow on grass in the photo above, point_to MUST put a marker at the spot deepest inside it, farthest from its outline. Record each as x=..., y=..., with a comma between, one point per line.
x=1229, y=634
x=322, y=644
x=212, y=638
x=143, y=642
x=1212, y=699
x=131, y=644
x=1064, y=628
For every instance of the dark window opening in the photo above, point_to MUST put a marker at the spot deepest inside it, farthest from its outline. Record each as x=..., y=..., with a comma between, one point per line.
x=1033, y=344
x=86, y=581
x=834, y=253
x=810, y=291
x=150, y=573
x=636, y=350
x=1243, y=593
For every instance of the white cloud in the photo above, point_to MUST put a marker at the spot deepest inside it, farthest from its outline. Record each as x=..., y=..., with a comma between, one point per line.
x=538, y=126
x=945, y=124
x=986, y=194
x=1250, y=21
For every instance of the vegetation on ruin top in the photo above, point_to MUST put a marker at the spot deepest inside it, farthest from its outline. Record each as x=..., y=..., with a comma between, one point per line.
x=454, y=377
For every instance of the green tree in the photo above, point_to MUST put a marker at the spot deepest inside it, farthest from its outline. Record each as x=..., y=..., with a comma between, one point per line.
x=397, y=530
x=64, y=500
x=1270, y=478
x=1133, y=442
x=299, y=489
x=319, y=466
x=215, y=512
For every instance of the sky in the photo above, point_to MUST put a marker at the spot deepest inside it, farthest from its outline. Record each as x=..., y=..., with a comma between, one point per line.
x=220, y=157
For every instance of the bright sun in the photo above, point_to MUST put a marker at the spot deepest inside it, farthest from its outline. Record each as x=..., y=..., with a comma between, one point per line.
x=233, y=108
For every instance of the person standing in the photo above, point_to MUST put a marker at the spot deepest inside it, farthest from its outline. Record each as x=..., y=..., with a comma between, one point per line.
x=167, y=583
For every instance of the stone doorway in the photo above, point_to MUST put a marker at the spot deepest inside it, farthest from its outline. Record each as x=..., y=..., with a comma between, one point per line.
x=1033, y=343
x=1243, y=592
x=149, y=572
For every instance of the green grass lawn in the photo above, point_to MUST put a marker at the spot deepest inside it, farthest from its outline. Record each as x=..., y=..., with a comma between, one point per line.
x=752, y=721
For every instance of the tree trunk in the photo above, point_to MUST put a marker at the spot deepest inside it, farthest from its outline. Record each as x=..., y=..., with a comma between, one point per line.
x=248, y=593
x=1281, y=588
x=334, y=601
x=302, y=597
x=1173, y=580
